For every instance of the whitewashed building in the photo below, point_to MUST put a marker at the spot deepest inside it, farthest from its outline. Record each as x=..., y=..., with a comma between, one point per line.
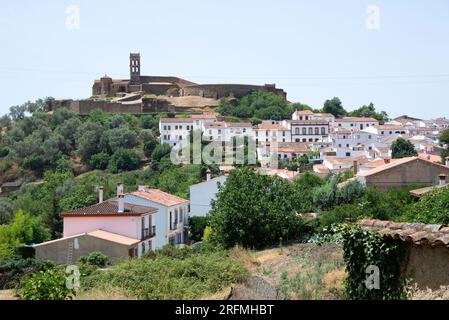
x=202, y=194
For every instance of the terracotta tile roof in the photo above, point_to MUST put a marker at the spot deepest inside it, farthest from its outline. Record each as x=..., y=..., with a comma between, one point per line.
x=417, y=233
x=113, y=237
x=357, y=119
x=430, y=157
x=204, y=116
x=269, y=126
x=238, y=124
x=422, y=191
x=160, y=197
x=309, y=122
x=176, y=120
x=215, y=125
x=375, y=163
x=347, y=160
x=293, y=147
x=395, y=163
x=110, y=207
x=304, y=112
x=101, y=234
x=389, y=127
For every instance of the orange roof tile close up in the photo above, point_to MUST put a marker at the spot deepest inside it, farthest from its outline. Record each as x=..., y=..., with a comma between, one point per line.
x=159, y=197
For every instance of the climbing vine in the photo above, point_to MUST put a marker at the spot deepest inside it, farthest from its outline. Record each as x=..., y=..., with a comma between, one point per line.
x=365, y=249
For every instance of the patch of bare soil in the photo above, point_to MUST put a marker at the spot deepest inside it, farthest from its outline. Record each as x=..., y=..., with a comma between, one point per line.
x=300, y=271
x=7, y=295
x=414, y=293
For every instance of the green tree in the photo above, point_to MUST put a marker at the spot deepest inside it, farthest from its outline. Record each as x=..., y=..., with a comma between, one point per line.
x=402, y=148
x=253, y=210
x=49, y=284
x=123, y=160
x=160, y=151
x=369, y=111
x=334, y=106
x=99, y=161
x=444, y=140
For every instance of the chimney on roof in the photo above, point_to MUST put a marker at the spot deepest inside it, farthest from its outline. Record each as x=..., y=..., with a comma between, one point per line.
x=208, y=175
x=355, y=167
x=121, y=203
x=442, y=178
x=100, y=194
x=119, y=189
x=142, y=188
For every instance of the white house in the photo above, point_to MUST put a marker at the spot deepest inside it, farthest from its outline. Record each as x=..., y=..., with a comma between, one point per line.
x=201, y=195
x=171, y=216
x=199, y=120
x=309, y=130
x=307, y=115
x=390, y=131
x=271, y=132
x=356, y=123
x=175, y=131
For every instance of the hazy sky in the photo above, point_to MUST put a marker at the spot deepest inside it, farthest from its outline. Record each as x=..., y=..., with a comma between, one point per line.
x=315, y=50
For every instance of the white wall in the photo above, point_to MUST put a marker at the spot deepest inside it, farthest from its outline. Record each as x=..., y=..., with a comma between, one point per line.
x=201, y=195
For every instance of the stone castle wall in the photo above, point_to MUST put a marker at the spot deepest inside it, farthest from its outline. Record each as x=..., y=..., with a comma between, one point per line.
x=218, y=91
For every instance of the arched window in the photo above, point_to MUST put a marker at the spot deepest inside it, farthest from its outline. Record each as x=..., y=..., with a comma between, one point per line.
x=297, y=131
x=310, y=130
x=304, y=131
x=317, y=130
x=323, y=130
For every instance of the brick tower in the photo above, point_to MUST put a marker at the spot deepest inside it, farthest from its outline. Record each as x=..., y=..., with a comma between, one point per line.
x=134, y=68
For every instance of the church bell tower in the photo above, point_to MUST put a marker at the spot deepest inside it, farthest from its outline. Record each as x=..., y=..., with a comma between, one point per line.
x=134, y=68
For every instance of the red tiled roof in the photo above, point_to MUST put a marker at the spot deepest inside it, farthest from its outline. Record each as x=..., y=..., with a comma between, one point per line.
x=176, y=120
x=269, y=126
x=357, y=119
x=389, y=127
x=204, y=116
x=238, y=124
x=395, y=163
x=109, y=207
x=101, y=234
x=159, y=197
x=417, y=233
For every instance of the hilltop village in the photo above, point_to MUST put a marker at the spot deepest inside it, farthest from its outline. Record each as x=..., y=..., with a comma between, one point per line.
x=91, y=183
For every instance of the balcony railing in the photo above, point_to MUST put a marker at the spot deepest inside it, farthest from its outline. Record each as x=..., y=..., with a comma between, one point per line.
x=148, y=232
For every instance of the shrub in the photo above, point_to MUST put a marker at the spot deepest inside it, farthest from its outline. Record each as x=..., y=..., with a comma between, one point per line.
x=123, y=160
x=14, y=268
x=433, y=207
x=96, y=258
x=46, y=285
x=4, y=152
x=99, y=161
x=191, y=277
x=197, y=226
x=160, y=151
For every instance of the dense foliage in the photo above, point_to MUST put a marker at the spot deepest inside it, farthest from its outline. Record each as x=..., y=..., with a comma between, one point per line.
x=96, y=258
x=402, y=148
x=260, y=105
x=171, y=274
x=433, y=207
x=49, y=284
x=14, y=268
x=253, y=210
x=363, y=249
